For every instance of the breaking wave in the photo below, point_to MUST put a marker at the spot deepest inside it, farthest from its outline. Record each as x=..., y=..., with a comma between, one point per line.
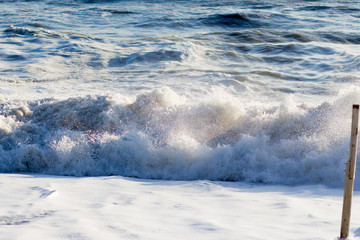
x=162, y=135
x=250, y=89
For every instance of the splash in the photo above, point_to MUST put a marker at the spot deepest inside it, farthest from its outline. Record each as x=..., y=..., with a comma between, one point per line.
x=162, y=135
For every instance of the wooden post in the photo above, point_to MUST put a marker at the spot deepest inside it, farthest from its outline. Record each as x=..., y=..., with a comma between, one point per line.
x=350, y=175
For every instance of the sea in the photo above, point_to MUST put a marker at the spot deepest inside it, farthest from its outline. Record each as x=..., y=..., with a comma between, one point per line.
x=223, y=90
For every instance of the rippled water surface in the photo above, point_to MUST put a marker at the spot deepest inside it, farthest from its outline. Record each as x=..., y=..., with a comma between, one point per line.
x=224, y=90
x=286, y=45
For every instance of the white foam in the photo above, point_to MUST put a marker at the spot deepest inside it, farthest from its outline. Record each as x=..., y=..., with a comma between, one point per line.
x=164, y=135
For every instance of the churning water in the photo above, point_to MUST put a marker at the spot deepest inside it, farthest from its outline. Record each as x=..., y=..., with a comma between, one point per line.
x=257, y=91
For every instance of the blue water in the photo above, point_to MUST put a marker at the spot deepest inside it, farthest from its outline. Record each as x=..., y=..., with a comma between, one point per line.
x=257, y=91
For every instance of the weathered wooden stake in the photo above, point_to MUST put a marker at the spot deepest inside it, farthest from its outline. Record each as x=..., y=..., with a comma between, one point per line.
x=350, y=174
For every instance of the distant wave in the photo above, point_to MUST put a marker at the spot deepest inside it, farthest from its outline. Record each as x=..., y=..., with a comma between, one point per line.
x=343, y=9
x=14, y=31
x=280, y=36
x=233, y=20
x=38, y=32
x=153, y=57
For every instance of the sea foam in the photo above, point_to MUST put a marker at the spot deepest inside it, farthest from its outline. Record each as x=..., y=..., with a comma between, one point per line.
x=163, y=135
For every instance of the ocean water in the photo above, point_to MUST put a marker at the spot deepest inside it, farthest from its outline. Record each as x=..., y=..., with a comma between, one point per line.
x=255, y=91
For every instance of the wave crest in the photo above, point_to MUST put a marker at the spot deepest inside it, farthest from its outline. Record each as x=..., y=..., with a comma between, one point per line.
x=162, y=135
